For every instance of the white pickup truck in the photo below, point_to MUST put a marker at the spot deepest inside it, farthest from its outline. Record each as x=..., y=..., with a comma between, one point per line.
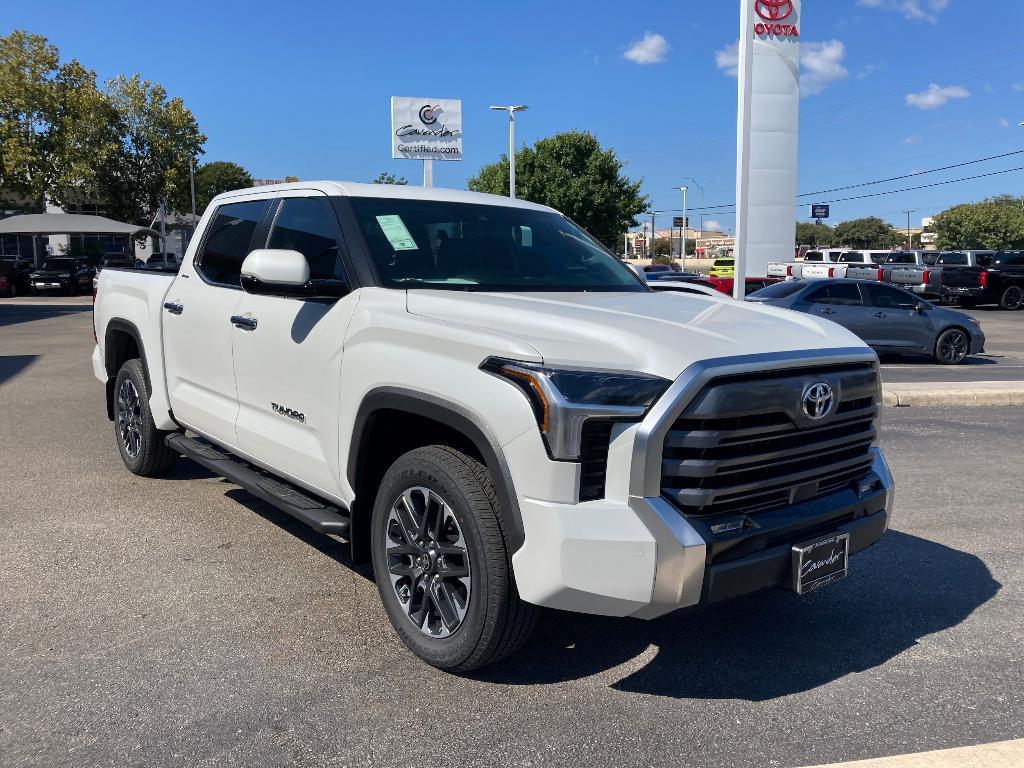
x=830, y=262
x=493, y=410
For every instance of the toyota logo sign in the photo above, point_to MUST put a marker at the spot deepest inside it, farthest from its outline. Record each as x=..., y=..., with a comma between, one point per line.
x=817, y=401
x=773, y=10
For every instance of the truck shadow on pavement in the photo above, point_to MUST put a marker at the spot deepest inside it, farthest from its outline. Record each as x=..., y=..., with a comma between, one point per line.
x=772, y=643
x=13, y=365
x=12, y=314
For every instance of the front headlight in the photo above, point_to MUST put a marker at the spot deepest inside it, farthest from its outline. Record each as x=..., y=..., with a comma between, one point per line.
x=564, y=398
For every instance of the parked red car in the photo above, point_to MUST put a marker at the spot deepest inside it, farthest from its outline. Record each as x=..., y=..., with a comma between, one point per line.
x=725, y=284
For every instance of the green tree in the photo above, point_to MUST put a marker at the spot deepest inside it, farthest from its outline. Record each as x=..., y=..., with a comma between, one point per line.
x=159, y=139
x=813, y=234
x=662, y=247
x=291, y=179
x=389, y=178
x=997, y=223
x=870, y=232
x=56, y=127
x=214, y=178
x=572, y=173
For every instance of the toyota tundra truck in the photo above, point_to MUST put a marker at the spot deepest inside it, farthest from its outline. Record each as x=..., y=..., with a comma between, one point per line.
x=493, y=410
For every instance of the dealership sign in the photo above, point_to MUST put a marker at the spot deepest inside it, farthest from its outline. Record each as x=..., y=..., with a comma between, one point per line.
x=426, y=129
x=819, y=211
x=775, y=18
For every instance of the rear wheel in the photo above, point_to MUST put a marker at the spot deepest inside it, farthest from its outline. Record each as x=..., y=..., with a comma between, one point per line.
x=952, y=346
x=141, y=444
x=440, y=560
x=1012, y=298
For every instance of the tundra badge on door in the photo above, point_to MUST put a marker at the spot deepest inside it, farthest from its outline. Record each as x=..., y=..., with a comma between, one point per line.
x=300, y=417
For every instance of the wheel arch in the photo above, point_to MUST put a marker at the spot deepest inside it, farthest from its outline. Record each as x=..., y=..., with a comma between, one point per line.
x=122, y=342
x=427, y=420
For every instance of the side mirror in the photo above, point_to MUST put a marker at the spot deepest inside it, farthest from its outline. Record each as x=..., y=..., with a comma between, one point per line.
x=919, y=308
x=268, y=271
x=637, y=270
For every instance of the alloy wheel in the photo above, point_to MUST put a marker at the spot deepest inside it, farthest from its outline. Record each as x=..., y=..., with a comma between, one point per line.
x=1014, y=297
x=129, y=418
x=428, y=561
x=953, y=346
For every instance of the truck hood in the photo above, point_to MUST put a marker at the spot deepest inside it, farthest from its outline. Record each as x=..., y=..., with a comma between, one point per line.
x=655, y=333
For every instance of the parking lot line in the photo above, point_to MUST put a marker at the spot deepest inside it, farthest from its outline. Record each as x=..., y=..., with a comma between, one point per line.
x=1000, y=754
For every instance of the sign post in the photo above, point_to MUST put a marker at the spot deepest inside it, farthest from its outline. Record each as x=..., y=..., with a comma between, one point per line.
x=426, y=129
x=768, y=103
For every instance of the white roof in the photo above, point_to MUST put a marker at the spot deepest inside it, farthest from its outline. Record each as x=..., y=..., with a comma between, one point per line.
x=68, y=224
x=396, y=191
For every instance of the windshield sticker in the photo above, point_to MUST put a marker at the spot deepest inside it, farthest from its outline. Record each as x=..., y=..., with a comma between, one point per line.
x=395, y=231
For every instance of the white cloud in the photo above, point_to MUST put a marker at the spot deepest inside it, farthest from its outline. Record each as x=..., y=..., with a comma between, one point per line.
x=727, y=59
x=1004, y=123
x=935, y=96
x=821, y=64
x=917, y=10
x=713, y=225
x=912, y=140
x=868, y=71
x=652, y=48
x=1018, y=87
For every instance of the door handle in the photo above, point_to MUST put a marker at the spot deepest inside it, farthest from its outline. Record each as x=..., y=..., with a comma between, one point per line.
x=827, y=311
x=880, y=314
x=174, y=307
x=246, y=323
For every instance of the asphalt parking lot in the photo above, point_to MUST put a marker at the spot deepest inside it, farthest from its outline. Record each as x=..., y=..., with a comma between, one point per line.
x=184, y=622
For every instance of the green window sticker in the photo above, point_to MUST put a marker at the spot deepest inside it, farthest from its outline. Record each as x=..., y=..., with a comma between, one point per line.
x=395, y=231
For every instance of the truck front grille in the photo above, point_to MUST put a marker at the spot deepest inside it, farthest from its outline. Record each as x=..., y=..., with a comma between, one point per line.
x=743, y=444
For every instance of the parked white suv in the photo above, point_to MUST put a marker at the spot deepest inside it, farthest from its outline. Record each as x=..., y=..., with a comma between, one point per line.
x=494, y=410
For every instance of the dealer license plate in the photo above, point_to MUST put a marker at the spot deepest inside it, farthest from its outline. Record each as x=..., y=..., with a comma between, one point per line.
x=821, y=562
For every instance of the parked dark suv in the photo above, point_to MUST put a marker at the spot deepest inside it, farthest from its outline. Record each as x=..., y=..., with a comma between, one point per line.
x=64, y=275
x=1001, y=282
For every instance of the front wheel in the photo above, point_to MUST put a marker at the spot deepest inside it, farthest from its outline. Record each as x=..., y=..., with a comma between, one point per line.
x=441, y=563
x=951, y=347
x=141, y=444
x=1012, y=298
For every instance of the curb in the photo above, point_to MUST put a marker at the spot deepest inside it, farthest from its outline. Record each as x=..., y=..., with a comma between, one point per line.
x=975, y=393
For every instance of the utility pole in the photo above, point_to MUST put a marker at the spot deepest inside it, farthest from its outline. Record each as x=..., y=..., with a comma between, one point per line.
x=511, y=109
x=682, y=248
x=910, y=244
x=654, y=239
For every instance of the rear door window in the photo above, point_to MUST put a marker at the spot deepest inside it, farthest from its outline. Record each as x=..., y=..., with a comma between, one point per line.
x=228, y=241
x=843, y=294
x=890, y=298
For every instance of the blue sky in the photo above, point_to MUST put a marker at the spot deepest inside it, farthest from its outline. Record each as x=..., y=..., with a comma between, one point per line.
x=303, y=88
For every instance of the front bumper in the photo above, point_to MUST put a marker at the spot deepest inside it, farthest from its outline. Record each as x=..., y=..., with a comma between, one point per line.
x=644, y=559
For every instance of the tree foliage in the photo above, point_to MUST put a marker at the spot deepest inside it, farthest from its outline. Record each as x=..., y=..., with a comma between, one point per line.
x=56, y=127
x=573, y=174
x=214, y=178
x=869, y=232
x=128, y=145
x=389, y=178
x=996, y=223
x=813, y=234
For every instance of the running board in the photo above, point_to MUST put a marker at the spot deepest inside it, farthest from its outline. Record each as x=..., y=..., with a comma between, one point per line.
x=317, y=514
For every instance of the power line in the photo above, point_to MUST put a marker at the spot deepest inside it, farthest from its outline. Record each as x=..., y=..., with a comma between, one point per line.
x=722, y=208
x=909, y=175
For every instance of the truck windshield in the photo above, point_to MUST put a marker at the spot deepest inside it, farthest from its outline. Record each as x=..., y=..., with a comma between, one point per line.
x=468, y=246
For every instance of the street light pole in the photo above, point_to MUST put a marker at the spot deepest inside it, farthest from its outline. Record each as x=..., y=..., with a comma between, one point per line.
x=192, y=186
x=700, y=228
x=511, y=109
x=682, y=248
x=910, y=244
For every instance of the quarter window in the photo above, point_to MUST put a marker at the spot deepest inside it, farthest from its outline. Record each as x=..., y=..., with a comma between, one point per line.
x=308, y=225
x=229, y=241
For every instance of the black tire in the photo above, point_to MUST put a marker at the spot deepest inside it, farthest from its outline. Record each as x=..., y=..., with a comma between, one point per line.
x=140, y=443
x=496, y=621
x=952, y=346
x=1012, y=298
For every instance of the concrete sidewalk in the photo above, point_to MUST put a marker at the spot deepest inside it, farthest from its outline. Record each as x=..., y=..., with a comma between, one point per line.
x=954, y=393
x=1002, y=754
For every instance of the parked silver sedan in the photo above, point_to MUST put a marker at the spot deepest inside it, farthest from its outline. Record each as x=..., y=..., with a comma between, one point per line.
x=889, y=319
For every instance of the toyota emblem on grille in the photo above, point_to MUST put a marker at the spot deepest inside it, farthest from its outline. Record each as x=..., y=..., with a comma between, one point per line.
x=817, y=400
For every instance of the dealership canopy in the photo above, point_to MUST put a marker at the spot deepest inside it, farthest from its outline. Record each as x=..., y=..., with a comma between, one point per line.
x=69, y=224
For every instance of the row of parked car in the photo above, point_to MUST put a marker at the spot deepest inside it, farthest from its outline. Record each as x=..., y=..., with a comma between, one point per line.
x=968, y=278
x=890, y=319
x=65, y=274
